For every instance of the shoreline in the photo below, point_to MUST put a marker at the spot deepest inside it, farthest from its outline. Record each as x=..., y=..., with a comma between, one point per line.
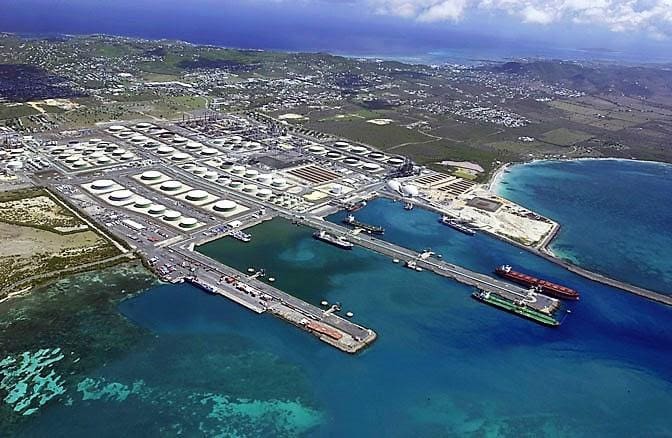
x=543, y=249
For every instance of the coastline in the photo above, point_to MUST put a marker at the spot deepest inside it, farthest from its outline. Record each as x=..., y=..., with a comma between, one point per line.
x=543, y=249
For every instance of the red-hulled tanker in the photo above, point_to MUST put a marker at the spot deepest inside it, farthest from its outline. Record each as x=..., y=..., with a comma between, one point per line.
x=544, y=286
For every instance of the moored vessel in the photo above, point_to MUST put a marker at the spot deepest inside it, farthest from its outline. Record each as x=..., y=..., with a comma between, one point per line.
x=516, y=307
x=332, y=239
x=543, y=286
x=456, y=225
x=374, y=229
x=355, y=207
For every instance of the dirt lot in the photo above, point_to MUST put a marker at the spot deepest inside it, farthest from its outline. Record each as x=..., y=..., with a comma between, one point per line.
x=39, y=238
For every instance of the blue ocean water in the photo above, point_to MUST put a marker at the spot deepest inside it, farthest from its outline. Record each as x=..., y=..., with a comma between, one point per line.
x=443, y=365
x=616, y=215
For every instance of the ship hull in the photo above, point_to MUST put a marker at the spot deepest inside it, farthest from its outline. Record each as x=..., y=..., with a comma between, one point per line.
x=373, y=229
x=458, y=227
x=341, y=245
x=546, y=287
x=523, y=312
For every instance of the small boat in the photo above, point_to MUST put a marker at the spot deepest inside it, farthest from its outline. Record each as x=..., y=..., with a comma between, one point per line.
x=408, y=206
x=351, y=208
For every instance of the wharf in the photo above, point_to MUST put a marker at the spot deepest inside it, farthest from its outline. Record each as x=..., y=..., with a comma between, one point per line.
x=539, y=302
x=541, y=250
x=261, y=297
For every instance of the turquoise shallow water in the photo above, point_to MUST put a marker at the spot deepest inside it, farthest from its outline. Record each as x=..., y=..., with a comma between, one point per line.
x=444, y=364
x=616, y=215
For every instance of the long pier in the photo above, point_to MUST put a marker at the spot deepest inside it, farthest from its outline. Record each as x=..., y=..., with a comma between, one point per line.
x=542, y=251
x=260, y=297
x=484, y=282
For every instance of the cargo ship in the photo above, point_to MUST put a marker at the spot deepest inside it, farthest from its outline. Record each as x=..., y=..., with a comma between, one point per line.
x=373, y=229
x=540, y=285
x=516, y=307
x=456, y=225
x=332, y=239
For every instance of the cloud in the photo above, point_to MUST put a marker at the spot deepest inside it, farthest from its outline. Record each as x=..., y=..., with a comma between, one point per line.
x=445, y=10
x=650, y=16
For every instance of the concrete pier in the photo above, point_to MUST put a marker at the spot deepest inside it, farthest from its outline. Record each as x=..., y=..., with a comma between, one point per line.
x=261, y=297
x=513, y=292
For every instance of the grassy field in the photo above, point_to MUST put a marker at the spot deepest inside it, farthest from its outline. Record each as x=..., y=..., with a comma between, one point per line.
x=173, y=106
x=431, y=153
x=16, y=111
x=357, y=129
x=565, y=137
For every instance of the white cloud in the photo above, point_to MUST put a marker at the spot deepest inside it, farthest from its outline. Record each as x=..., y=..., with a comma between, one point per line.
x=651, y=16
x=532, y=14
x=446, y=10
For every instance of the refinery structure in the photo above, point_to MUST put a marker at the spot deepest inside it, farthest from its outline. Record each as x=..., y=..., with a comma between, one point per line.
x=164, y=188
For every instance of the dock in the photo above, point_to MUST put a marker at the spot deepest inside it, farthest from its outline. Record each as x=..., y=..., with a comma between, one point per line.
x=539, y=302
x=260, y=297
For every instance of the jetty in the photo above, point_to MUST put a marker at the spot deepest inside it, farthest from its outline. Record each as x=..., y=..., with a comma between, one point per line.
x=427, y=261
x=252, y=293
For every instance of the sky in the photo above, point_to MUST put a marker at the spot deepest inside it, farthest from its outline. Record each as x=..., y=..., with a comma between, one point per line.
x=641, y=28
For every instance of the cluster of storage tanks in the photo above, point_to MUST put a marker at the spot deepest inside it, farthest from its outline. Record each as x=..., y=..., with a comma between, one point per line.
x=173, y=188
x=117, y=195
x=236, y=143
x=353, y=155
x=408, y=190
x=169, y=145
x=12, y=159
x=90, y=153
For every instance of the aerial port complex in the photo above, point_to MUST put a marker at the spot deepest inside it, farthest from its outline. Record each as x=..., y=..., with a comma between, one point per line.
x=161, y=189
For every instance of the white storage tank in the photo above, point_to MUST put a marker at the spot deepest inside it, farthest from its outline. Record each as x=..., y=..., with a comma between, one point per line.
x=150, y=175
x=171, y=186
x=102, y=184
x=224, y=205
x=121, y=195
x=172, y=215
x=197, y=195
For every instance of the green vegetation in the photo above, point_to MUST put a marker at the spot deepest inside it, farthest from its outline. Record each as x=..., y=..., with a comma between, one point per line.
x=565, y=137
x=432, y=153
x=170, y=107
x=383, y=137
x=13, y=111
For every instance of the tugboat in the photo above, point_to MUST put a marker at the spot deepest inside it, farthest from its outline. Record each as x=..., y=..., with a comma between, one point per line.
x=456, y=225
x=351, y=208
x=374, y=229
x=543, y=286
x=332, y=239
